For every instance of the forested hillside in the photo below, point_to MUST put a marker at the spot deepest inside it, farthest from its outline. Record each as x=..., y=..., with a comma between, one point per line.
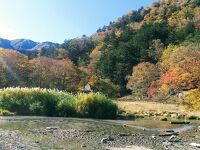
x=151, y=53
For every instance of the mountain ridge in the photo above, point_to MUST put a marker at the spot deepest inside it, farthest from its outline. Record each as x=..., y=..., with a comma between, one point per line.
x=25, y=45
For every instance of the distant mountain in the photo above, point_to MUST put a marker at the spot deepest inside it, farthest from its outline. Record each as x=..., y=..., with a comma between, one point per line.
x=24, y=45
x=44, y=45
x=5, y=44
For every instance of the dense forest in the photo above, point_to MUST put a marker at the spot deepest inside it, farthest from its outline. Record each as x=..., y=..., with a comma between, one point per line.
x=152, y=53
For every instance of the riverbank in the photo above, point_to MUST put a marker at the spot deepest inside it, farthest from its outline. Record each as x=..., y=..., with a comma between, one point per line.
x=30, y=133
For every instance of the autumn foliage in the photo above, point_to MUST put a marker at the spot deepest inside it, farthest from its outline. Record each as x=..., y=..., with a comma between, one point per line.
x=180, y=71
x=14, y=68
x=141, y=78
x=17, y=70
x=177, y=70
x=192, y=100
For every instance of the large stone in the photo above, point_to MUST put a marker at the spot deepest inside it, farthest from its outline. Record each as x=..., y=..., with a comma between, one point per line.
x=108, y=139
x=167, y=144
x=195, y=145
x=83, y=146
x=123, y=134
x=52, y=128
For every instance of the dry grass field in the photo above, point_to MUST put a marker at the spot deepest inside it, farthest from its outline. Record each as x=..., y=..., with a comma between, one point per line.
x=144, y=107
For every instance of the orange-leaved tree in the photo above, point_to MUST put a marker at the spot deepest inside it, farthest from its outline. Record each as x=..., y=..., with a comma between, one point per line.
x=14, y=68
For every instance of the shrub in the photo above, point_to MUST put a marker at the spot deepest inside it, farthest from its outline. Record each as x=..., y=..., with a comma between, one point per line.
x=193, y=118
x=43, y=102
x=192, y=100
x=66, y=106
x=106, y=87
x=36, y=108
x=131, y=116
x=95, y=105
x=14, y=100
x=26, y=101
x=47, y=99
x=4, y=112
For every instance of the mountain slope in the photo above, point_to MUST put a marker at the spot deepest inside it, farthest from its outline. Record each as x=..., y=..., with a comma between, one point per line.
x=145, y=36
x=5, y=44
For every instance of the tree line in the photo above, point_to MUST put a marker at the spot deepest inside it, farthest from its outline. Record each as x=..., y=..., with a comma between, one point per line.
x=17, y=70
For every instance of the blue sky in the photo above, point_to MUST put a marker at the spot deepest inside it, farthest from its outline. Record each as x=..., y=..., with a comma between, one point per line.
x=57, y=20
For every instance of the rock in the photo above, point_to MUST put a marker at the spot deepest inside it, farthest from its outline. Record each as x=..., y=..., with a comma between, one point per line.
x=163, y=119
x=123, y=134
x=108, y=139
x=88, y=131
x=52, y=128
x=83, y=146
x=166, y=147
x=175, y=140
x=172, y=137
x=37, y=141
x=104, y=140
x=180, y=122
x=195, y=145
x=124, y=125
x=153, y=136
x=166, y=115
x=167, y=144
x=168, y=133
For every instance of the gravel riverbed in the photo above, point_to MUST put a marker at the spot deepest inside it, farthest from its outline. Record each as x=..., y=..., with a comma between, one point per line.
x=33, y=133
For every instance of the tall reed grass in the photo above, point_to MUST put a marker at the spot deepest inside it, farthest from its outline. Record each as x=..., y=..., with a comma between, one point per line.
x=45, y=102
